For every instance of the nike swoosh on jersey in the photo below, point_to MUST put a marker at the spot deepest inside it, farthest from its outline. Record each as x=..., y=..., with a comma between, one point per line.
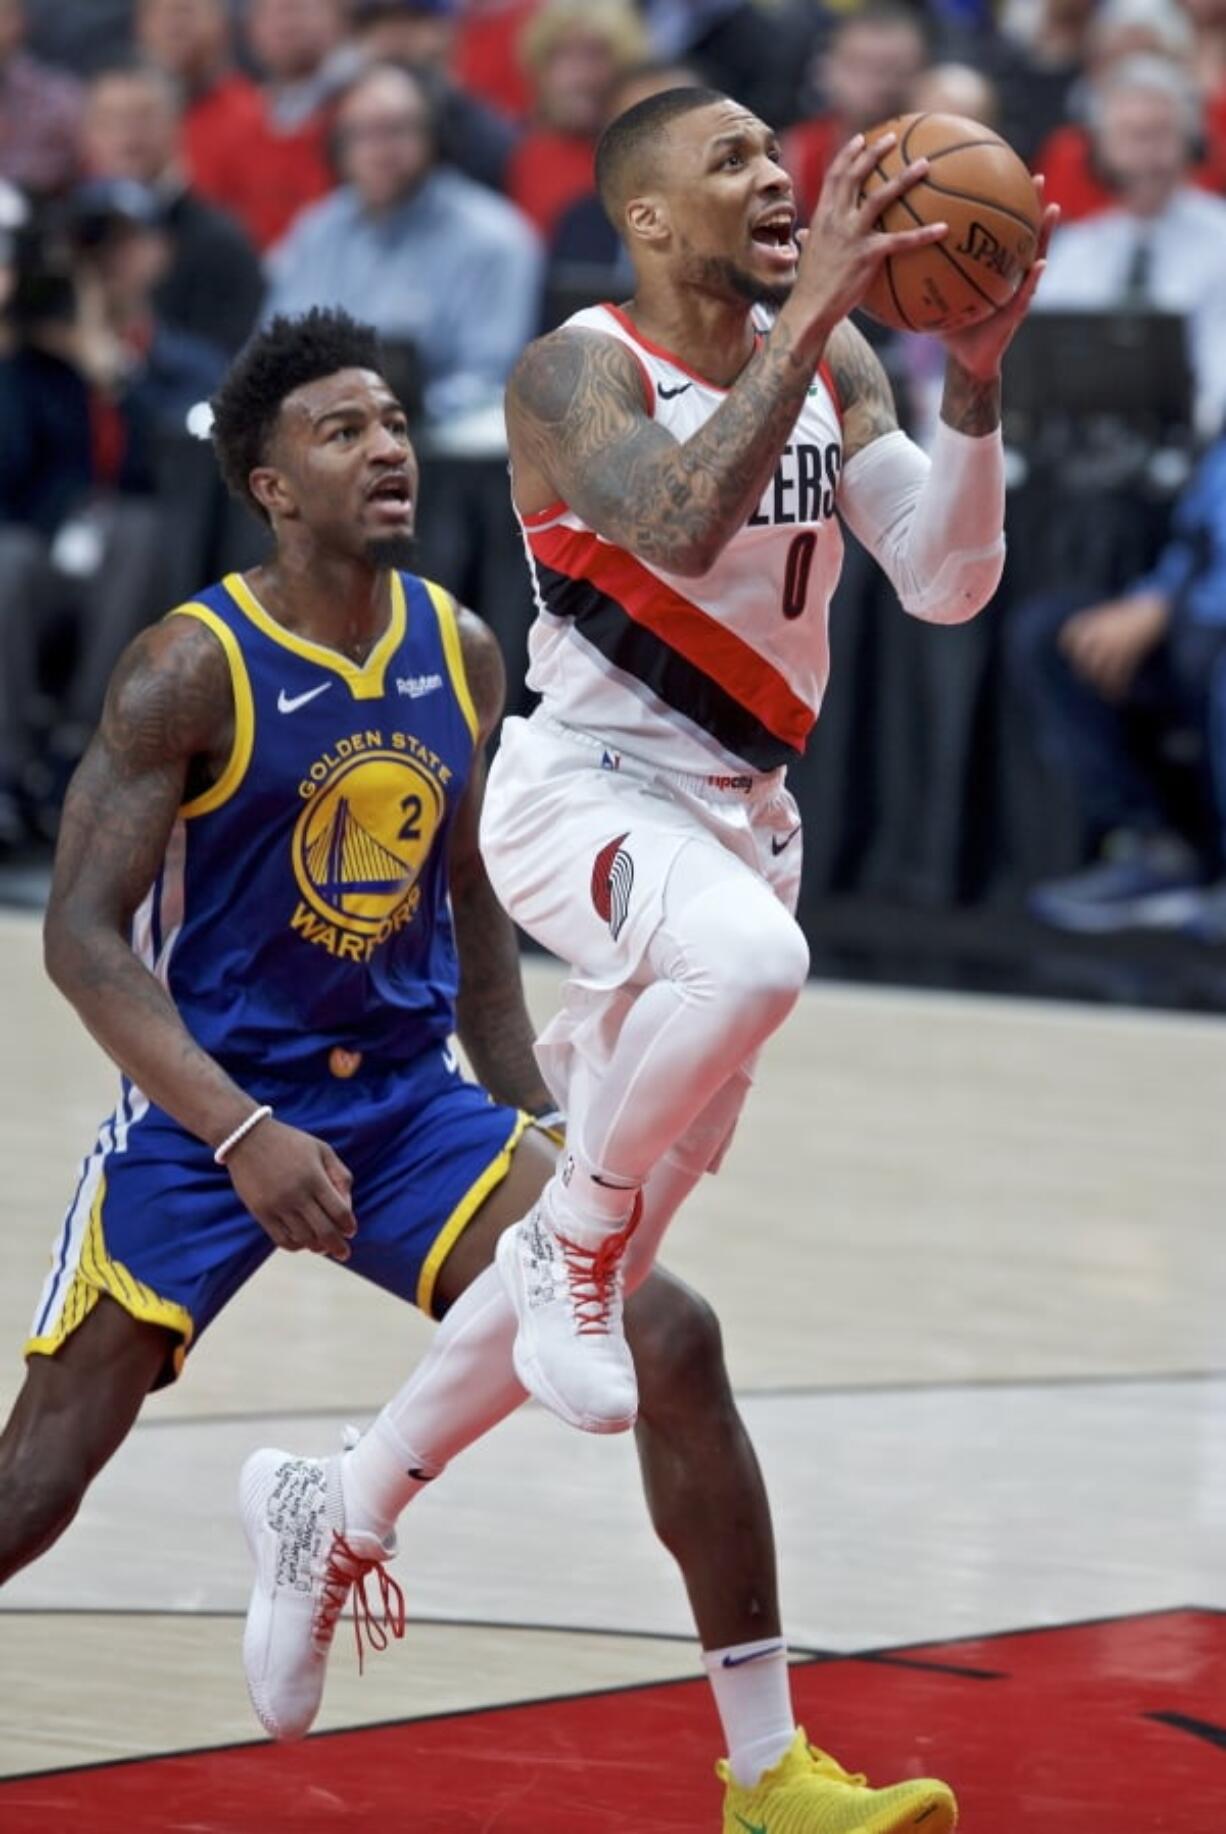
x=287, y=703
x=777, y=845
x=666, y=394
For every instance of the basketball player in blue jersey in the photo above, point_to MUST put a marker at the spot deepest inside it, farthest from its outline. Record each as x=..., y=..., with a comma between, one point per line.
x=250, y=911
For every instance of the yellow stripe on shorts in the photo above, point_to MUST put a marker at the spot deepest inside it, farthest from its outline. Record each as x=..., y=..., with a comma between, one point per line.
x=97, y=1273
x=463, y=1214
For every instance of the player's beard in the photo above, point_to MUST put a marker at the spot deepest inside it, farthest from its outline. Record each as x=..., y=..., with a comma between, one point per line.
x=721, y=275
x=395, y=552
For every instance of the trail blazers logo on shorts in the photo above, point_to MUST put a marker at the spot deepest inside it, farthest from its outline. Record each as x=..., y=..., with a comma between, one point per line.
x=612, y=879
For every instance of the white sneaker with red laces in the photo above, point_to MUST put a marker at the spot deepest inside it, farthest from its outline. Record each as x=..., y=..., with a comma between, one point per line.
x=305, y=1568
x=570, y=1349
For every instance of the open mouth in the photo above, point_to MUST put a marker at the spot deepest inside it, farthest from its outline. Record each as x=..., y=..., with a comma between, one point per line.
x=390, y=490
x=775, y=233
x=391, y=494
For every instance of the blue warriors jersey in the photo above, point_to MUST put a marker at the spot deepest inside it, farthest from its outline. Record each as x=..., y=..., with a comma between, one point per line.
x=301, y=909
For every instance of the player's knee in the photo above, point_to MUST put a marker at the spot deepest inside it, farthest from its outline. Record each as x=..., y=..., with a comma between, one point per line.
x=767, y=966
x=680, y=1356
x=782, y=967
x=752, y=958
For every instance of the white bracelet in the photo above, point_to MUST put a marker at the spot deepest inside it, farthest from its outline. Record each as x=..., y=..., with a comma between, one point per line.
x=552, y=1121
x=240, y=1133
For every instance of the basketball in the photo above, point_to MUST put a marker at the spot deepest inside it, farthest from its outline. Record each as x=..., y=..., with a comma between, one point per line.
x=977, y=184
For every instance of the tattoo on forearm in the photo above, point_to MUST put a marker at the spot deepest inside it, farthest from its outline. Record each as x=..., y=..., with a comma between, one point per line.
x=969, y=405
x=576, y=402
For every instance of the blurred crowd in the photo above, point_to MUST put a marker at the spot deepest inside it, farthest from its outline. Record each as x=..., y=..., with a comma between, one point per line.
x=172, y=171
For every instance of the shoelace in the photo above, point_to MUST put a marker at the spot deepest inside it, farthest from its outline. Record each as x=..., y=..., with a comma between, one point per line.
x=591, y=1275
x=348, y=1570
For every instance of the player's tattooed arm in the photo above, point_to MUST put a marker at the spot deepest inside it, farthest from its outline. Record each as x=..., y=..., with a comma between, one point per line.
x=866, y=399
x=168, y=712
x=491, y=1017
x=970, y=403
x=577, y=420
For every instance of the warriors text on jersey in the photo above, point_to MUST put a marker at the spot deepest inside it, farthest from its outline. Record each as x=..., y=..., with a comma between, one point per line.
x=726, y=669
x=301, y=906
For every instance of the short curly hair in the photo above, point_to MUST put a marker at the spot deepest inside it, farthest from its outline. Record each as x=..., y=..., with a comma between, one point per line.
x=287, y=353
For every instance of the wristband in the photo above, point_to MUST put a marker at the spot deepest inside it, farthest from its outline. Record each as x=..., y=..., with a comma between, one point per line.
x=240, y=1133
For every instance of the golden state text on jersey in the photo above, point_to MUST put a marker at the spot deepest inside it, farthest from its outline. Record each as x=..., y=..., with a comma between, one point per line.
x=302, y=902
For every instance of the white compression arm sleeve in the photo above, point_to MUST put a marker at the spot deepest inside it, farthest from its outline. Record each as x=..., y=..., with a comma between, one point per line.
x=935, y=525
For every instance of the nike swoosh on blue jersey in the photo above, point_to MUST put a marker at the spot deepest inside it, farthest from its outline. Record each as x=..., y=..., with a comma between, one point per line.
x=290, y=704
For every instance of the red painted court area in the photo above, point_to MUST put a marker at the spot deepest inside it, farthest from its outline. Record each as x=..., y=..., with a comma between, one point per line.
x=1109, y=1728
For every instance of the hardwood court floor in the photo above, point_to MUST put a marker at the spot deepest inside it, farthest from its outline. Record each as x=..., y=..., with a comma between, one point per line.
x=969, y=1259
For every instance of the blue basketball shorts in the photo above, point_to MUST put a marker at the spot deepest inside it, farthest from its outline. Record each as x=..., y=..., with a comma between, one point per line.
x=157, y=1226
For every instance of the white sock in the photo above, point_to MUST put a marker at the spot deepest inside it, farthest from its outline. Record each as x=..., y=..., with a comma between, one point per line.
x=464, y=1385
x=379, y=1477
x=587, y=1203
x=753, y=1697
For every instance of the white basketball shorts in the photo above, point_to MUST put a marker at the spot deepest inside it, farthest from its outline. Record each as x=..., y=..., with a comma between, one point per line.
x=579, y=841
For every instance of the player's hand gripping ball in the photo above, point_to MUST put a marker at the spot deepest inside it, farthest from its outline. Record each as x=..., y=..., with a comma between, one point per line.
x=977, y=184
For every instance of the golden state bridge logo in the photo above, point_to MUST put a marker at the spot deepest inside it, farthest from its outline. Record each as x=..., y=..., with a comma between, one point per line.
x=372, y=811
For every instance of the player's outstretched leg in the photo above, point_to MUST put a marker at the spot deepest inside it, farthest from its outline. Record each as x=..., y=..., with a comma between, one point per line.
x=321, y=1528
x=73, y=1412
x=699, y=1467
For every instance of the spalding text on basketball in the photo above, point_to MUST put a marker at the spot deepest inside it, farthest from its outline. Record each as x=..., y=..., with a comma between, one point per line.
x=989, y=251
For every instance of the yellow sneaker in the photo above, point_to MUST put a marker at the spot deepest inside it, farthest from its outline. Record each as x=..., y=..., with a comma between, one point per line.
x=806, y=1792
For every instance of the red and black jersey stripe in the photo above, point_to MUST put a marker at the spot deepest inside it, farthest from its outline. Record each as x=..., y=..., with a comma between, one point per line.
x=688, y=659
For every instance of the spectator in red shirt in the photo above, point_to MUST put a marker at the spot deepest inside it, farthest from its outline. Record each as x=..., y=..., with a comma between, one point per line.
x=275, y=165
x=487, y=58
x=39, y=111
x=574, y=51
x=191, y=41
x=865, y=75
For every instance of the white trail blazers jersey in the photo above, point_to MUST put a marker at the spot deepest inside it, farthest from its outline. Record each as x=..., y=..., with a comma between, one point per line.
x=722, y=672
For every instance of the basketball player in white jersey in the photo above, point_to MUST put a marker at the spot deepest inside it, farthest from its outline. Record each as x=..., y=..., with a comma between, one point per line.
x=680, y=475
